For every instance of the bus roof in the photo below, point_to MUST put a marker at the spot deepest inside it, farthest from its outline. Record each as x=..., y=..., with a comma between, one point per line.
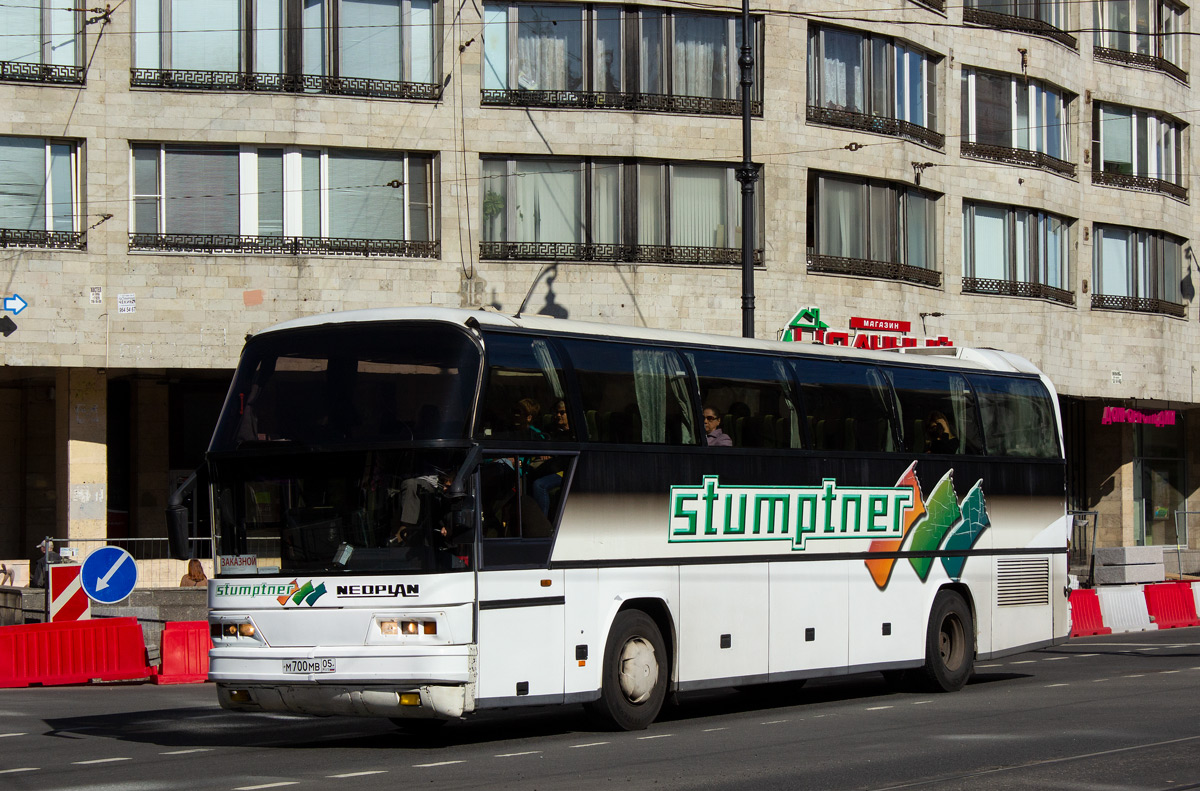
x=950, y=356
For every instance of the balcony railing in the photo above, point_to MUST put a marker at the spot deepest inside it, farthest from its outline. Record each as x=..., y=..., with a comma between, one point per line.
x=829, y=264
x=1140, y=61
x=1035, y=27
x=281, y=245
x=892, y=127
x=1139, y=305
x=193, y=80
x=1016, y=288
x=613, y=253
x=607, y=100
x=1140, y=183
x=1017, y=156
x=53, y=240
x=41, y=72
x=933, y=5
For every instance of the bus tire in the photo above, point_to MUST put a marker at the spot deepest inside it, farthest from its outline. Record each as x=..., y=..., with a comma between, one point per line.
x=949, y=644
x=634, y=678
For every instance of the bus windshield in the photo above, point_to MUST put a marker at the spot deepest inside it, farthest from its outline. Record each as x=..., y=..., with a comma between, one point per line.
x=351, y=384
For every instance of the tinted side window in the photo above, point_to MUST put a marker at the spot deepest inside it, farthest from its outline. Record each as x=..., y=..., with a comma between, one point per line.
x=751, y=397
x=1018, y=417
x=847, y=406
x=523, y=396
x=936, y=410
x=633, y=394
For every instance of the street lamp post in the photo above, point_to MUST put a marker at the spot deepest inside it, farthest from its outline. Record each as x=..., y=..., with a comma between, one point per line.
x=747, y=174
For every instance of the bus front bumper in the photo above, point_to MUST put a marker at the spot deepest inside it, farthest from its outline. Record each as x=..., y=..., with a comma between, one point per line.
x=426, y=701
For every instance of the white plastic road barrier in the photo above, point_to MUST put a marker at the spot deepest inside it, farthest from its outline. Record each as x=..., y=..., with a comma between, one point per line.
x=1124, y=608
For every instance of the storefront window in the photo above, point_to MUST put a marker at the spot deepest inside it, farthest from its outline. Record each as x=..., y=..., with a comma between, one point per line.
x=1160, y=474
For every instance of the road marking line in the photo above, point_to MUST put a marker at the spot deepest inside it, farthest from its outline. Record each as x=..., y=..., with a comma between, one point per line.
x=589, y=744
x=710, y=730
x=438, y=763
x=2, y=735
x=99, y=761
x=998, y=664
x=1165, y=672
x=773, y=722
x=1055, y=658
x=187, y=752
x=921, y=702
x=1057, y=685
x=1134, y=675
x=268, y=785
x=357, y=774
x=1024, y=662
x=878, y=708
x=1151, y=648
x=658, y=736
x=1082, y=656
x=1095, y=680
x=20, y=769
x=514, y=755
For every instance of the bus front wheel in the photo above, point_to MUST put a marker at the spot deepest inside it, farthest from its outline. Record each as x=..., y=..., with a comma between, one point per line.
x=634, y=677
x=949, y=644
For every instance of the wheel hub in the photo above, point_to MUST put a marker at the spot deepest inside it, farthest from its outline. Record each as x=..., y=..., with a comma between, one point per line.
x=639, y=669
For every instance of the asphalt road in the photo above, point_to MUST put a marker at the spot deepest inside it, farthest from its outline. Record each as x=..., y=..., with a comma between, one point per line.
x=1100, y=713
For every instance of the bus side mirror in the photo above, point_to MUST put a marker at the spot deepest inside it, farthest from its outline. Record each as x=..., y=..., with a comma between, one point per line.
x=177, y=532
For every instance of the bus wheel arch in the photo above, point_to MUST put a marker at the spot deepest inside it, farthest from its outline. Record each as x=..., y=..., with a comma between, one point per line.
x=636, y=670
x=950, y=640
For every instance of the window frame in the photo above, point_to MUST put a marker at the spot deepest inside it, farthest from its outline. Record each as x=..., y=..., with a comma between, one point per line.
x=43, y=68
x=249, y=238
x=1158, y=127
x=49, y=236
x=1036, y=111
x=1037, y=239
x=1146, y=269
x=1164, y=38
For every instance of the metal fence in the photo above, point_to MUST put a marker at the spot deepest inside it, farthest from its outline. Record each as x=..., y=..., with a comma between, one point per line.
x=139, y=548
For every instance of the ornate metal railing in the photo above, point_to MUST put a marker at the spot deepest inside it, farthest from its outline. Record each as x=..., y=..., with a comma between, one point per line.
x=281, y=245
x=606, y=100
x=1021, y=24
x=1140, y=183
x=1016, y=288
x=892, y=127
x=1017, y=156
x=829, y=264
x=54, y=240
x=1138, y=304
x=1138, y=60
x=193, y=80
x=933, y=5
x=612, y=253
x=41, y=72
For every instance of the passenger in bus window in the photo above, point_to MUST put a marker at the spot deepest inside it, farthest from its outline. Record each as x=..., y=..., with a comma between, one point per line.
x=548, y=476
x=522, y=421
x=712, y=428
x=939, y=436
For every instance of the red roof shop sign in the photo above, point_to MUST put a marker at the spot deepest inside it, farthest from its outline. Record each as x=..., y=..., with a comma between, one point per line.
x=1117, y=414
x=865, y=333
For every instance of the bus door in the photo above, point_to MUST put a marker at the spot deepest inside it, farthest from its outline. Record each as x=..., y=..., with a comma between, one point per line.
x=521, y=601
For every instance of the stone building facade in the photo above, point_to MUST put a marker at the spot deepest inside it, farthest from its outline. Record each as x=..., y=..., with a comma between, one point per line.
x=1005, y=175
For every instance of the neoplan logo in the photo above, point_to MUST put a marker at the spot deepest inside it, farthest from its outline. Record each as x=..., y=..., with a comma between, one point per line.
x=373, y=591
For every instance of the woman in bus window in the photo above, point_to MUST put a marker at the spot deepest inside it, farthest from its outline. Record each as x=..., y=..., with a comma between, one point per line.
x=939, y=436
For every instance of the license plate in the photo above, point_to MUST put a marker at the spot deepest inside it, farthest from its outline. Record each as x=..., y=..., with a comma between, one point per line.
x=308, y=666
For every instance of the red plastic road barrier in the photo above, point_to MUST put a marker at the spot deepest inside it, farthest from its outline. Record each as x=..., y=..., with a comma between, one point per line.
x=72, y=652
x=1172, y=604
x=185, y=646
x=1085, y=614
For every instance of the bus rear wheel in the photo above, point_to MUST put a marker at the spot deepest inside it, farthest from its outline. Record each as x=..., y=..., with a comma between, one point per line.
x=634, y=677
x=949, y=644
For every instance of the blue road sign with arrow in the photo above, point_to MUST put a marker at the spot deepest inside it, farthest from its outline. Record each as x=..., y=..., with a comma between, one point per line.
x=15, y=304
x=108, y=575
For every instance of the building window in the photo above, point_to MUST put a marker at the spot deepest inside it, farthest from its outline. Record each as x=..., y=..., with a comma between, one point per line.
x=612, y=57
x=872, y=228
x=1137, y=270
x=39, y=193
x=1018, y=121
x=1137, y=149
x=281, y=200
x=1143, y=33
x=873, y=83
x=1046, y=18
x=375, y=48
x=1015, y=251
x=613, y=210
x=41, y=40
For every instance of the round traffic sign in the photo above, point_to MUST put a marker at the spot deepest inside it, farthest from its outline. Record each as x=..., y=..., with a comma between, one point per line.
x=108, y=575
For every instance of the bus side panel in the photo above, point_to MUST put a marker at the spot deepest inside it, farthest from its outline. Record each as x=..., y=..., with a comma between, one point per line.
x=808, y=618
x=520, y=636
x=618, y=588
x=583, y=628
x=887, y=626
x=722, y=623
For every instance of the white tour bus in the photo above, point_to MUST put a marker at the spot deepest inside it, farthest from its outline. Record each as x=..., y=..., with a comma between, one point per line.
x=421, y=513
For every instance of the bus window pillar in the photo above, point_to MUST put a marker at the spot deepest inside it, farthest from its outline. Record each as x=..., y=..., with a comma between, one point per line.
x=81, y=416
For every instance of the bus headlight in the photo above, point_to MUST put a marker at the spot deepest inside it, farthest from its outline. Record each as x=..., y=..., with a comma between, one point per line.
x=406, y=627
x=240, y=628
